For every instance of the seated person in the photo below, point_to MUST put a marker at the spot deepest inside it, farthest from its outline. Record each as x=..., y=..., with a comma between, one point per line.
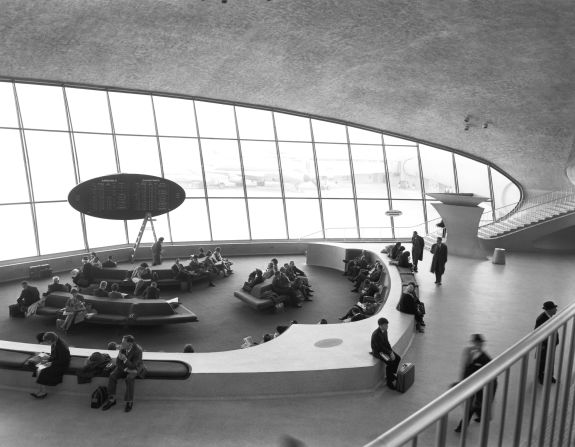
x=152, y=292
x=403, y=260
x=79, y=279
x=201, y=253
x=369, y=290
x=101, y=290
x=296, y=270
x=248, y=342
x=180, y=273
x=115, y=291
x=74, y=312
x=95, y=261
x=197, y=268
x=393, y=252
x=109, y=263
x=409, y=303
x=189, y=349
x=359, y=311
x=86, y=271
x=141, y=276
x=270, y=271
x=55, y=286
x=297, y=282
x=399, y=252
x=374, y=275
x=267, y=337
x=221, y=263
x=353, y=266
x=282, y=286
x=28, y=296
x=254, y=278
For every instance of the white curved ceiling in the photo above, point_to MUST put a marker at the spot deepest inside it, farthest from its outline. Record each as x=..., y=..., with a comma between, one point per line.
x=415, y=68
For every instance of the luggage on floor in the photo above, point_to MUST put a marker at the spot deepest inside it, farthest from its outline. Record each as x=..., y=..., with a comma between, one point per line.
x=99, y=396
x=15, y=311
x=405, y=377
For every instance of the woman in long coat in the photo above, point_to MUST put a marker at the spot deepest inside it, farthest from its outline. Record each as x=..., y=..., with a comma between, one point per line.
x=55, y=367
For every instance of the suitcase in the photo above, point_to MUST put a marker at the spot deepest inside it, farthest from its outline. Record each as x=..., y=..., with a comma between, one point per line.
x=405, y=377
x=15, y=312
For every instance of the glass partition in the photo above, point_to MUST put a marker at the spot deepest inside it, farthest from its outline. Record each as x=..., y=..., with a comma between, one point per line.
x=248, y=173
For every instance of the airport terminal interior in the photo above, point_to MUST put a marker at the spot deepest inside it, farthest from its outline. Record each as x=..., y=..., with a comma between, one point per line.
x=289, y=127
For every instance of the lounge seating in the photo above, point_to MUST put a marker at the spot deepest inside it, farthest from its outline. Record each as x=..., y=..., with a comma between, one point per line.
x=155, y=369
x=257, y=298
x=131, y=311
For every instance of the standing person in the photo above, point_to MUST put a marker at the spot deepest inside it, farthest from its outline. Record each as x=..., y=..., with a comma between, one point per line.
x=157, y=251
x=381, y=349
x=439, y=250
x=474, y=358
x=417, y=246
x=129, y=366
x=549, y=309
x=53, y=370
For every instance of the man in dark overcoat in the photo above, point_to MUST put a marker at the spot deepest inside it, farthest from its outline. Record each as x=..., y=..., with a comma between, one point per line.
x=417, y=246
x=439, y=250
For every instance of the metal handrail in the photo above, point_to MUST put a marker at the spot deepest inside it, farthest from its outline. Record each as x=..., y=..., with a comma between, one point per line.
x=437, y=410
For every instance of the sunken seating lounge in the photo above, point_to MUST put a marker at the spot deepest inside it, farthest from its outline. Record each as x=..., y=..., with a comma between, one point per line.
x=131, y=312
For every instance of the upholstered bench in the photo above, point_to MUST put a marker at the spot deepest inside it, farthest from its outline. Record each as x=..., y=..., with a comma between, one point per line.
x=256, y=298
x=155, y=369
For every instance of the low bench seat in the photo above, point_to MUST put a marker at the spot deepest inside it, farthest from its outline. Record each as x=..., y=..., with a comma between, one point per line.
x=130, y=311
x=155, y=369
x=254, y=298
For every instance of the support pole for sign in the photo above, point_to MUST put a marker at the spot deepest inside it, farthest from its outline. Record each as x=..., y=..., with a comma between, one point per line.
x=147, y=218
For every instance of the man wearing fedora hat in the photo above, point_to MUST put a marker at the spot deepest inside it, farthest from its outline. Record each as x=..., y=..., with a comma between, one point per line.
x=550, y=309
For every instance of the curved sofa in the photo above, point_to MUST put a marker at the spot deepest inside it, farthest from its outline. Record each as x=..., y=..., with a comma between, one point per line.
x=306, y=359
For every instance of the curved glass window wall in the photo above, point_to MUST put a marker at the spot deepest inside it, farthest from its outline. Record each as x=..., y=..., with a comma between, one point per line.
x=248, y=173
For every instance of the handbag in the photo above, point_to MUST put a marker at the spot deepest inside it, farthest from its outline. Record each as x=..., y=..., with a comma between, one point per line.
x=421, y=308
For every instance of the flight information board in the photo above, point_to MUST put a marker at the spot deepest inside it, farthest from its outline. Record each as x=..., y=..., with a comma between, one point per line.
x=126, y=196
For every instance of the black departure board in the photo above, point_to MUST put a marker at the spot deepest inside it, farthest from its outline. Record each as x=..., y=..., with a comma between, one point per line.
x=126, y=196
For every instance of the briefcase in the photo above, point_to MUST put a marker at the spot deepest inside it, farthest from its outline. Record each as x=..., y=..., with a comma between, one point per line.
x=15, y=311
x=405, y=377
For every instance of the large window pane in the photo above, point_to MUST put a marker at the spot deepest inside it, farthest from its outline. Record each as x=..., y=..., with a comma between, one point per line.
x=216, y=120
x=334, y=170
x=403, y=172
x=261, y=168
x=267, y=219
x=50, y=164
x=339, y=218
x=369, y=171
x=13, y=185
x=96, y=155
x=182, y=164
x=59, y=228
x=160, y=226
x=42, y=107
x=138, y=155
x=395, y=141
x=298, y=168
x=255, y=124
x=304, y=220
x=8, y=116
x=411, y=218
x=223, y=169
x=104, y=232
x=505, y=193
x=229, y=220
x=437, y=166
x=373, y=223
x=472, y=176
x=189, y=222
x=18, y=230
x=175, y=116
x=326, y=132
x=89, y=110
x=361, y=136
x=292, y=128
x=132, y=113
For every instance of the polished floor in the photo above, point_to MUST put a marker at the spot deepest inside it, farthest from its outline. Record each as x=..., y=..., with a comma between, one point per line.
x=500, y=301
